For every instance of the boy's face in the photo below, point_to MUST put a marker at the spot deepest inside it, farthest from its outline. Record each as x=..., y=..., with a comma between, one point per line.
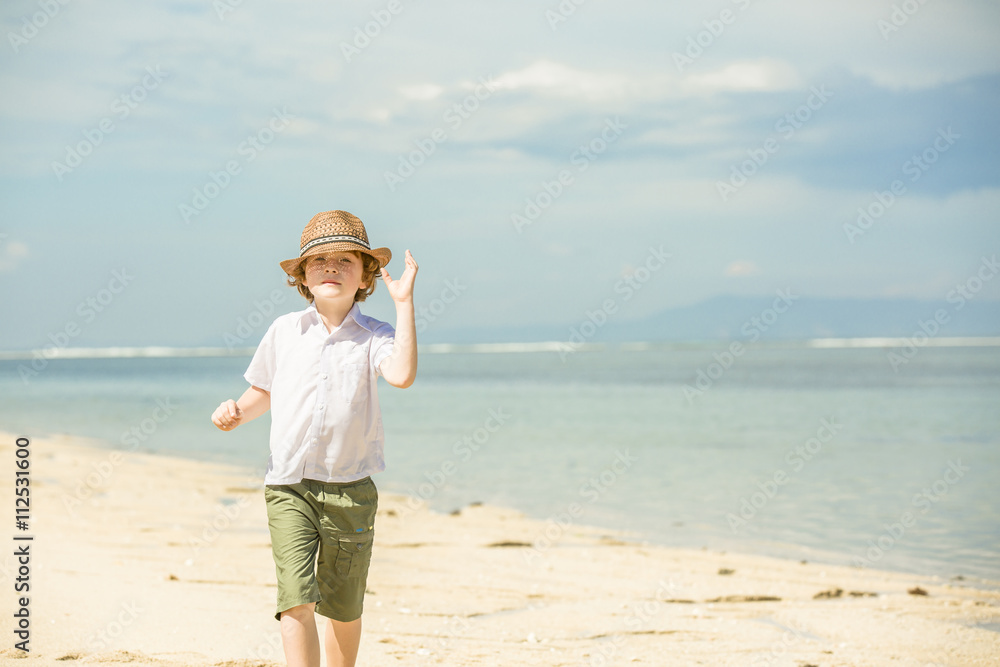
x=334, y=275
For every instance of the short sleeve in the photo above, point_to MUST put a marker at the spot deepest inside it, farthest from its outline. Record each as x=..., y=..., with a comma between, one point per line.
x=382, y=339
x=260, y=373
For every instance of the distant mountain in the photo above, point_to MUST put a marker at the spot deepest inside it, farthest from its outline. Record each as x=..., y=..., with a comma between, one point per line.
x=750, y=318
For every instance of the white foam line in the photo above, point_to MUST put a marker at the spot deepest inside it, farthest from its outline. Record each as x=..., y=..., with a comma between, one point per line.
x=125, y=353
x=901, y=342
x=482, y=348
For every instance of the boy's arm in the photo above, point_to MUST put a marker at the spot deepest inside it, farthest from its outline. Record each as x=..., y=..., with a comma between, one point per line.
x=252, y=404
x=400, y=368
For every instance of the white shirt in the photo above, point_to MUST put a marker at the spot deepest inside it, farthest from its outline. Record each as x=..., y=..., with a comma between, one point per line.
x=325, y=420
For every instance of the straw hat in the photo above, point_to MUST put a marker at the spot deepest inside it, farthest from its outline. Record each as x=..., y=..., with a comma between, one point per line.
x=333, y=231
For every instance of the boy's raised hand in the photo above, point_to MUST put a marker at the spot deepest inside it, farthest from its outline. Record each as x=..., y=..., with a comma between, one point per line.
x=401, y=290
x=227, y=416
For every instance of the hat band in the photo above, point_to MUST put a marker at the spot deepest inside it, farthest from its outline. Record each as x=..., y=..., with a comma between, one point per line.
x=333, y=239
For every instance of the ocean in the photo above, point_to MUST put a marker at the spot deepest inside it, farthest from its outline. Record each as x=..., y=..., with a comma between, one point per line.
x=829, y=454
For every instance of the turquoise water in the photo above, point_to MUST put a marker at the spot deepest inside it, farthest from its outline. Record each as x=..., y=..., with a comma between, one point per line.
x=893, y=470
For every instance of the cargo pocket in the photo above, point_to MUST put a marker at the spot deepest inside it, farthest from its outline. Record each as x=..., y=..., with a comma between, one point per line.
x=354, y=553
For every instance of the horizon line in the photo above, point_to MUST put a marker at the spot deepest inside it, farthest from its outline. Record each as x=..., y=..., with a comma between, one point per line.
x=152, y=352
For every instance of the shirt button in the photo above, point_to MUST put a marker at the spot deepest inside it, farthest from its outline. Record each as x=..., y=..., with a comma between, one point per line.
x=322, y=407
x=324, y=376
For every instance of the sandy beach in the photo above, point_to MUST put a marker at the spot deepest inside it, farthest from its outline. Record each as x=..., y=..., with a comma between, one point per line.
x=153, y=560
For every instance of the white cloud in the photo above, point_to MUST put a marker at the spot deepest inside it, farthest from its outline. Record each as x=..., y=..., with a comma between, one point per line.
x=766, y=74
x=742, y=268
x=553, y=79
x=421, y=92
x=11, y=253
x=563, y=81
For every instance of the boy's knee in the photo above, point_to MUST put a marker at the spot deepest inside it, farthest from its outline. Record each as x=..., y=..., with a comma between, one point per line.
x=302, y=612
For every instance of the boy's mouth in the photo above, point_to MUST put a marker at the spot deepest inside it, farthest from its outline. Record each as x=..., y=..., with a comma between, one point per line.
x=330, y=282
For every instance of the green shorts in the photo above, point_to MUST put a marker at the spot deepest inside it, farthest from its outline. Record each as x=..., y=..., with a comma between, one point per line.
x=335, y=522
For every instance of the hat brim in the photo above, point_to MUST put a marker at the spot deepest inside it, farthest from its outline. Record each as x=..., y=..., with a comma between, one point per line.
x=381, y=255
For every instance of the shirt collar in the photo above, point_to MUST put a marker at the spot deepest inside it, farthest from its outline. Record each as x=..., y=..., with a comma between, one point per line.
x=311, y=316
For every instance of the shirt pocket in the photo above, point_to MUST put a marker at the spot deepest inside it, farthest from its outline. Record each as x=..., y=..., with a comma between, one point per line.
x=354, y=553
x=354, y=380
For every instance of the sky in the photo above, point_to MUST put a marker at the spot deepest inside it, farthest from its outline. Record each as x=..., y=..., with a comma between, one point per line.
x=160, y=158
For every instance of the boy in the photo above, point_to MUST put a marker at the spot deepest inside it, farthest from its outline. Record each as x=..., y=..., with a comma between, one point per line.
x=316, y=370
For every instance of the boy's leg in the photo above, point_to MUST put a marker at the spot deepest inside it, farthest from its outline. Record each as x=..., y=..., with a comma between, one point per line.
x=293, y=524
x=348, y=532
x=342, y=641
x=299, y=636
